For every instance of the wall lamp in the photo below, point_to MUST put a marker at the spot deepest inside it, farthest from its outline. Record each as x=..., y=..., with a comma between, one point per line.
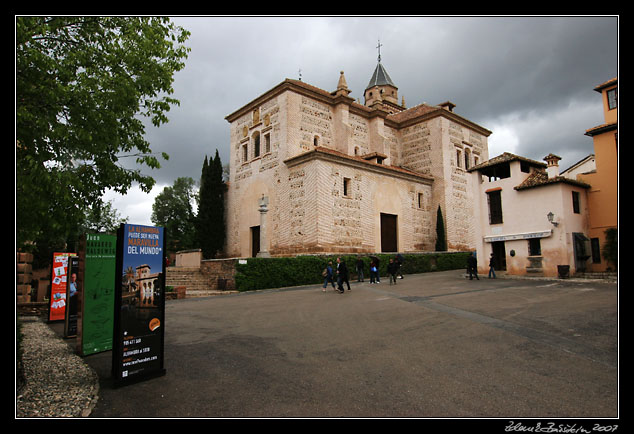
x=551, y=218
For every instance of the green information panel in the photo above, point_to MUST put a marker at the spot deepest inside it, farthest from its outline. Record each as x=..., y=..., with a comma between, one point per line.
x=98, y=297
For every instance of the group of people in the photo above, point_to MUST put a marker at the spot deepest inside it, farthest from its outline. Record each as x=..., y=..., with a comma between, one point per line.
x=342, y=275
x=472, y=267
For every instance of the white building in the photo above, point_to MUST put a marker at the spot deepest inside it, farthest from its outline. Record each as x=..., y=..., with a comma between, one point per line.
x=531, y=218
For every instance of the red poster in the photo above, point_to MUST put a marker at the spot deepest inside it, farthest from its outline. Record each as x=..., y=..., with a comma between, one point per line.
x=57, y=303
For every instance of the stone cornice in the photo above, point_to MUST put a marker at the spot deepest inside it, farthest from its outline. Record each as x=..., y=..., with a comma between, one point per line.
x=330, y=155
x=434, y=113
x=409, y=116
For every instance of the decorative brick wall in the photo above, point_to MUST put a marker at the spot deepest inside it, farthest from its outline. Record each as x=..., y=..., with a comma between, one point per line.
x=307, y=210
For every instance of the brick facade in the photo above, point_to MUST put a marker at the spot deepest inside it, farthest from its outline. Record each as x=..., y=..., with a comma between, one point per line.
x=330, y=167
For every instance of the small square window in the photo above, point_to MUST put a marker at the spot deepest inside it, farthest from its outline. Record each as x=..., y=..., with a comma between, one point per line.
x=534, y=247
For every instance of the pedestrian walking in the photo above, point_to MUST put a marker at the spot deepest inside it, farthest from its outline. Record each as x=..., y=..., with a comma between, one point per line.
x=328, y=276
x=342, y=275
x=399, y=262
x=491, y=266
x=374, y=272
x=472, y=266
x=392, y=268
x=360, y=266
x=377, y=262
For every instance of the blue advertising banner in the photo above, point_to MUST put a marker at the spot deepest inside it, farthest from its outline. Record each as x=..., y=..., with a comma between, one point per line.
x=139, y=317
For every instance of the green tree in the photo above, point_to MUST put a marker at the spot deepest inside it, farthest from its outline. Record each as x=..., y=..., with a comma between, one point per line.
x=101, y=217
x=211, y=209
x=84, y=85
x=441, y=238
x=611, y=247
x=172, y=209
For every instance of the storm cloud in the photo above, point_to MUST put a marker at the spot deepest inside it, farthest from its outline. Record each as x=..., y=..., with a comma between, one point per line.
x=529, y=79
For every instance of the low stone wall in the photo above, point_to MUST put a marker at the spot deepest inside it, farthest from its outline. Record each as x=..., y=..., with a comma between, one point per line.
x=178, y=293
x=221, y=273
x=188, y=258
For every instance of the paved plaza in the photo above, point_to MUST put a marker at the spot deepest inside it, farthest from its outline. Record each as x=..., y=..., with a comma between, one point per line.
x=434, y=345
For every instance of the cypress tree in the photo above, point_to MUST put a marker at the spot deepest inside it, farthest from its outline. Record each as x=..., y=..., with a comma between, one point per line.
x=441, y=239
x=211, y=206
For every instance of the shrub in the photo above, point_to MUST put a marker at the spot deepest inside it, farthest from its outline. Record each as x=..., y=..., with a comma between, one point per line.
x=264, y=273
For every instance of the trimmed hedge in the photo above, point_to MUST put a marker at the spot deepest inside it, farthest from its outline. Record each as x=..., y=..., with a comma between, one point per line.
x=266, y=273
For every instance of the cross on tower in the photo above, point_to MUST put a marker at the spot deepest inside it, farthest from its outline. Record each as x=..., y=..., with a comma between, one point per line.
x=379, y=48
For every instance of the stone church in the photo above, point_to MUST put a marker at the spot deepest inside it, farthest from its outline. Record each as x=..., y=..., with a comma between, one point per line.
x=313, y=171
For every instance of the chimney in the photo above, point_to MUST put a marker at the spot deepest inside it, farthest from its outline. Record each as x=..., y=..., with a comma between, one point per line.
x=552, y=168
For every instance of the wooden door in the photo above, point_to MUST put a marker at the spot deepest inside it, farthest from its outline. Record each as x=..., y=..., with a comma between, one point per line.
x=388, y=233
x=255, y=241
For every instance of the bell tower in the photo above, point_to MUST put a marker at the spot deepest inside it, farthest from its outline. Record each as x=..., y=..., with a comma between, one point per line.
x=381, y=89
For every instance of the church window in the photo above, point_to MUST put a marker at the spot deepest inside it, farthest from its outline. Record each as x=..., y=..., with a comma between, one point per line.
x=346, y=187
x=458, y=158
x=267, y=143
x=256, y=144
x=316, y=141
x=420, y=200
x=245, y=153
x=467, y=156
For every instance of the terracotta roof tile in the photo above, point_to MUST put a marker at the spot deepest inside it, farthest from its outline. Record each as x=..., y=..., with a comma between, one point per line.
x=361, y=159
x=539, y=178
x=413, y=112
x=504, y=158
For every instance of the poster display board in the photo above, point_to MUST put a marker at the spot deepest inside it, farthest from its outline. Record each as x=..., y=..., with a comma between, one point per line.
x=73, y=295
x=96, y=317
x=139, y=308
x=57, y=297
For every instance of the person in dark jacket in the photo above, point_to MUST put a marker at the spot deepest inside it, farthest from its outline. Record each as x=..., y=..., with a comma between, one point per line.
x=491, y=266
x=342, y=275
x=399, y=262
x=392, y=268
x=472, y=266
x=374, y=272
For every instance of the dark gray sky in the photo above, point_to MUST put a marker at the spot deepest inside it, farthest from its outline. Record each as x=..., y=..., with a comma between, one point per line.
x=528, y=79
